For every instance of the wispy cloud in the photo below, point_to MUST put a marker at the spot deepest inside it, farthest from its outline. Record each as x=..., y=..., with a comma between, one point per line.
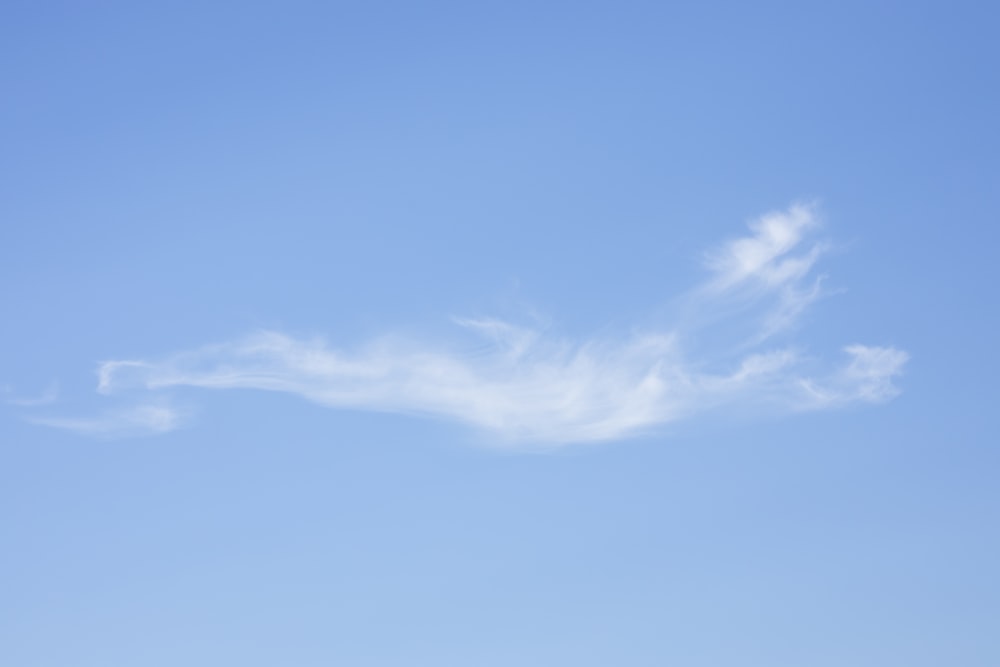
x=533, y=386
x=768, y=258
x=50, y=395
x=151, y=418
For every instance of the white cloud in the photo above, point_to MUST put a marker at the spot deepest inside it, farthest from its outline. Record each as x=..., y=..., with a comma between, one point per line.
x=766, y=257
x=535, y=387
x=866, y=377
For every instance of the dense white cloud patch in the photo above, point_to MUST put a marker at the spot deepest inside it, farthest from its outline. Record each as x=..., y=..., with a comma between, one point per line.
x=533, y=387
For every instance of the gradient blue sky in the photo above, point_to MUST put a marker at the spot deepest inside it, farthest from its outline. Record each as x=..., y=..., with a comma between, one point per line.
x=499, y=334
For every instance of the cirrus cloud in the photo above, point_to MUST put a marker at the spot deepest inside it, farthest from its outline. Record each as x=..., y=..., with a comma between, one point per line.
x=532, y=386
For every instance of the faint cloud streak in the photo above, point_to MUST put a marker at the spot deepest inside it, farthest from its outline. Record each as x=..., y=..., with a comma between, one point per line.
x=137, y=420
x=50, y=395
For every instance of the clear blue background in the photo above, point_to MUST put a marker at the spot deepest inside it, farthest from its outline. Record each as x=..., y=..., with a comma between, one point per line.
x=175, y=174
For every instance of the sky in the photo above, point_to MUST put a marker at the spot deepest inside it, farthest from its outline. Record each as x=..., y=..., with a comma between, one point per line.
x=499, y=334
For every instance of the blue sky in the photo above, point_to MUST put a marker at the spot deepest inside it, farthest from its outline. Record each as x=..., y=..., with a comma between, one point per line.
x=498, y=334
